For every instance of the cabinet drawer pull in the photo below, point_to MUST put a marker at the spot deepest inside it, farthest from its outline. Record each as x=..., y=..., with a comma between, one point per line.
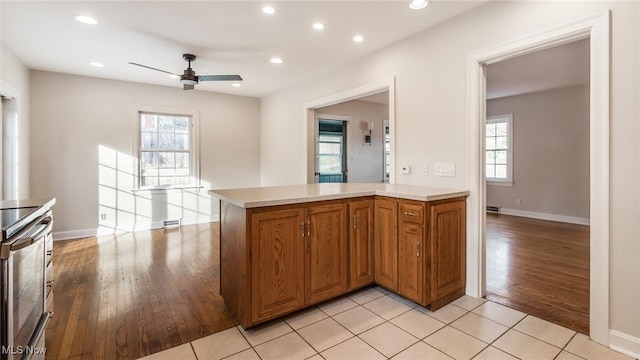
x=410, y=213
x=308, y=228
x=418, y=249
x=302, y=229
x=355, y=222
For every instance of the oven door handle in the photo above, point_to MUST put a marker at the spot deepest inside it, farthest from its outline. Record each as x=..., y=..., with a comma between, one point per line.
x=23, y=243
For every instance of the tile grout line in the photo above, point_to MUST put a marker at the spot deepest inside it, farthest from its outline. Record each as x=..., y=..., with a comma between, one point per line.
x=446, y=324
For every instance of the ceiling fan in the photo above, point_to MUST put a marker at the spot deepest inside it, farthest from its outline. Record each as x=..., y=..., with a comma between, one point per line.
x=189, y=79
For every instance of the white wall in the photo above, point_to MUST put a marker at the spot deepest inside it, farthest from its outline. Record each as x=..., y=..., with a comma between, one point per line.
x=550, y=152
x=16, y=75
x=82, y=138
x=430, y=68
x=365, y=161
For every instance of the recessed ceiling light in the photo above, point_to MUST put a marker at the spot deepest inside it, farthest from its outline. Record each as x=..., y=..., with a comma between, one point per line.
x=96, y=64
x=358, y=38
x=174, y=76
x=276, y=60
x=418, y=4
x=318, y=26
x=86, y=19
x=236, y=85
x=268, y=10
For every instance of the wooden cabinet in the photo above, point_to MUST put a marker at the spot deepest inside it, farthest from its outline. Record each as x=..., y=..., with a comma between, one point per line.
x=326, y=258
x=426, y=264
x=297, y=256
x=411, y=251
x=277, y=262
x=361, y=245
x=448, y=251
x=279, y=259
x=386, y=242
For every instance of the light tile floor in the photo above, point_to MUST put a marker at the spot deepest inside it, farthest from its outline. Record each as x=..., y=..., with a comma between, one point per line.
x=374, y=324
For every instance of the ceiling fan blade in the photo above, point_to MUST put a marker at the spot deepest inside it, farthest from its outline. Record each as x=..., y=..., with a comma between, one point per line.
x=152, y=68
x=187, y=87
x=219, y=78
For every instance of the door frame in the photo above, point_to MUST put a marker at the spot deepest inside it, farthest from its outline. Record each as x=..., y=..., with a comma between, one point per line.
x=596, y=27
x=310, y=107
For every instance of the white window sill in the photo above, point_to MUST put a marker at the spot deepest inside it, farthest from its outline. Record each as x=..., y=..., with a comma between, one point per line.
x=500, y=182
x=164, y=188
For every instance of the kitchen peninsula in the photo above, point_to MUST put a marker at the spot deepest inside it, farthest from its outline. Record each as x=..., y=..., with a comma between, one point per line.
x=288, y=247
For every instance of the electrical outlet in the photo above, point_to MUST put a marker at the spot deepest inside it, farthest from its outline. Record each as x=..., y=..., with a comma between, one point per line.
x=103, y=216
x=517, y=201
x=406, y=169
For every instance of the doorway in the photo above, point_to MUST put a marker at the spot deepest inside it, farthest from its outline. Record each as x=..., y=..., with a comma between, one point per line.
x=9, y=148
x=537, y=236
x=369, y=135
x=596, y=27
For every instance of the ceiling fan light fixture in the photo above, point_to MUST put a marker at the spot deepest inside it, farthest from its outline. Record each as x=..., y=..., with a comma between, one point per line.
x=419, y=4
x=189, y=81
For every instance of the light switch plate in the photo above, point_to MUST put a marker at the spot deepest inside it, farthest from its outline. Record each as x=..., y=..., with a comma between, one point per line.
x=445, y=169
x=424, y=169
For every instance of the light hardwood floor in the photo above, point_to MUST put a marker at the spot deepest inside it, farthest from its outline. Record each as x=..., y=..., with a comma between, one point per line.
x=130, y=295
x=540, y=268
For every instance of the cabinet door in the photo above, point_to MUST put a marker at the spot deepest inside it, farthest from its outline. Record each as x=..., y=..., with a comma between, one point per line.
x=277, y=263
x=410, y=265
x=386, y=243
x=361, y=265
x=326, y=260
x=448, y=250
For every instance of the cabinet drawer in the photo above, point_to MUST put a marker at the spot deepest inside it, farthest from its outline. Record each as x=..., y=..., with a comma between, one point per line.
x=412, y=212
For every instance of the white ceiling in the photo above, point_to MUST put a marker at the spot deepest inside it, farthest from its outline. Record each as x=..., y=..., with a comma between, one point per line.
x=553, y=68
x=229, y=37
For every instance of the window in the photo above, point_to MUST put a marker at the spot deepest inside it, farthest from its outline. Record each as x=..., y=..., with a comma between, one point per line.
x=167, y=150
x=330, y=154
x=387, y=151
x=499, y=149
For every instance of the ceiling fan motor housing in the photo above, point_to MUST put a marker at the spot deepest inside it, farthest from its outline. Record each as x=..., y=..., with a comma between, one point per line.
x=189, y=77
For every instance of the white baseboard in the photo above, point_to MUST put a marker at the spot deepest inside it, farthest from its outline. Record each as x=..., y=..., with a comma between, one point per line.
x=83, y=233
x=74, y=234
x=624, y=343
x=544, y=216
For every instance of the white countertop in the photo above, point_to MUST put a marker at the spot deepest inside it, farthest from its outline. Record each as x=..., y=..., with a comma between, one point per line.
x=295, y=194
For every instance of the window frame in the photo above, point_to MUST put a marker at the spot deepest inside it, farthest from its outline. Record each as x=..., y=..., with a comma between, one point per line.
x=505, y=118
x=194, y=145
x=341, y=155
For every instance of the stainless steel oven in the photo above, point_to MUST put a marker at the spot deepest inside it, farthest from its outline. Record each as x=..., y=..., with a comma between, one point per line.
x=23, y=309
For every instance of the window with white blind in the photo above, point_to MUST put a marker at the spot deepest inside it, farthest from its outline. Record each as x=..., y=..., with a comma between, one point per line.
x=499, y=149
x=167, y=149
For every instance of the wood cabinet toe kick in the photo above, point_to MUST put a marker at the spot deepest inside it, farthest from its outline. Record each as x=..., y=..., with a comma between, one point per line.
x=277, y=259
